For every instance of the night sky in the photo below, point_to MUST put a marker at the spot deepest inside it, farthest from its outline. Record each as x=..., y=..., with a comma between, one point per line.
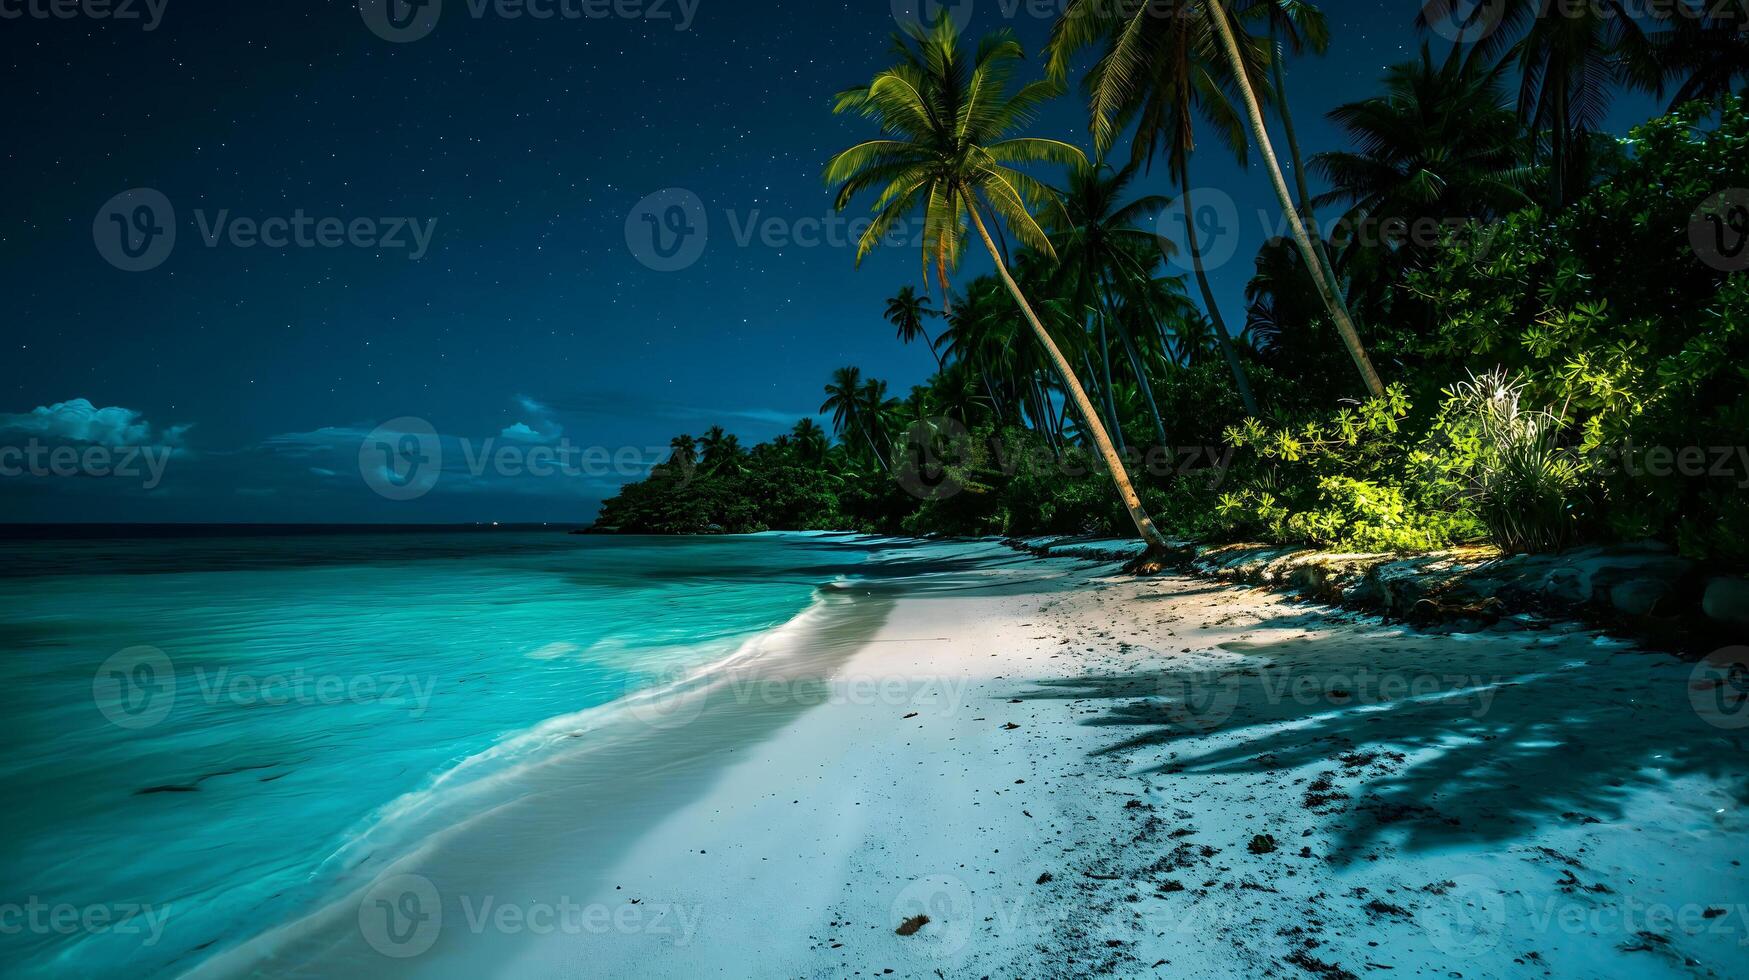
x=528, y=320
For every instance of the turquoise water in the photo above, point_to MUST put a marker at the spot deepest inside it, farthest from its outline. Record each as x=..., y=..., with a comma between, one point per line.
x=204, y=729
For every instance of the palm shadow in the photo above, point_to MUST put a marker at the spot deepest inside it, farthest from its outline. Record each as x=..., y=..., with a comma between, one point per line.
x=1438, y=739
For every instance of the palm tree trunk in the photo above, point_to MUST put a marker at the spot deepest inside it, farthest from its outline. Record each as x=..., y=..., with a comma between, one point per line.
x=1325, y=266
x=1111, y=417
x=1217, y=14
x=1224, y=339
x=939, y=364
x=1135, y=356
x=1132, y=501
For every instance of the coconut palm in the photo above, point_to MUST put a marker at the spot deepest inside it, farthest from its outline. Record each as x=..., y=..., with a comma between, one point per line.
x=1147, y=68
x=1708, y=54
x=845, y=400
x=1438, y=144
x=720, y=450
x=907, y=311
x=946, y=151
x=809, y=440
x=1104, y=254
x=1570, y=59
x=1161, y=69
x=1297, y=26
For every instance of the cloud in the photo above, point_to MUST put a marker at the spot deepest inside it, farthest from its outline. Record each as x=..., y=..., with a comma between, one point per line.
x=78, y=420
x=544, y=429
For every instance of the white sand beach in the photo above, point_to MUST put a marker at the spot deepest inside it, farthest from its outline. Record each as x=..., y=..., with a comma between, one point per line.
x=1071, y=771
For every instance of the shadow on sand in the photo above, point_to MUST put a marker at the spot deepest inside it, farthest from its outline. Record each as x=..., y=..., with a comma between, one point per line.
x=1476, y=738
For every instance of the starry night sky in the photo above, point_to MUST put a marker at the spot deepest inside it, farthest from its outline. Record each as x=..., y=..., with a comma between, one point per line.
x=529, y=142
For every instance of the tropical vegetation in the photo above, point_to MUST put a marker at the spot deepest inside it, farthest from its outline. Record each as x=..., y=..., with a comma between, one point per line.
x=1517, y=329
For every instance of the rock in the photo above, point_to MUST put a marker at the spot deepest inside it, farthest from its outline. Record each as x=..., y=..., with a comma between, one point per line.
x=1727, y=601
x=1639, y=596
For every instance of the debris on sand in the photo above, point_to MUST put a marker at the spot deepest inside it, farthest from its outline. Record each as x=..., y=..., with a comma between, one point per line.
x=912, y=924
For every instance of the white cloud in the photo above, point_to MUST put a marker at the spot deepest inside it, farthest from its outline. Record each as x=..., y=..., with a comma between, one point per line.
x=78, y=420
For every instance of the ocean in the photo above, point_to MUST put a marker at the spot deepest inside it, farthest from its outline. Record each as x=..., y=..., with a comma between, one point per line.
x=212, y=731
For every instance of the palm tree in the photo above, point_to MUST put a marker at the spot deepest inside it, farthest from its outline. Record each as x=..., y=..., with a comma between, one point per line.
x=1159, y=68
x=1101, y=253
x=809, y=440
x=720, y=449
x=907, y=312
x=844, y=399
x=1148, y=66
x=684, y=452
x=1570, y=57
x=946, y=150
x=1243, y=77
x=1438, y=144
x=877, y=414
x=1297, y=26
x=1709, y=54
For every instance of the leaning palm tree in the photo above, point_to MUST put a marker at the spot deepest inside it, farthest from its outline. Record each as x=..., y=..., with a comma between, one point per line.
x=1148, y=42
x=945, y=151
x=1297, y=26
x=907, y=311
x=1182, y=86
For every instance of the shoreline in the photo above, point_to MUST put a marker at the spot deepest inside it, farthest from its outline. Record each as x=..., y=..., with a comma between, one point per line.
x=1070, y=770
